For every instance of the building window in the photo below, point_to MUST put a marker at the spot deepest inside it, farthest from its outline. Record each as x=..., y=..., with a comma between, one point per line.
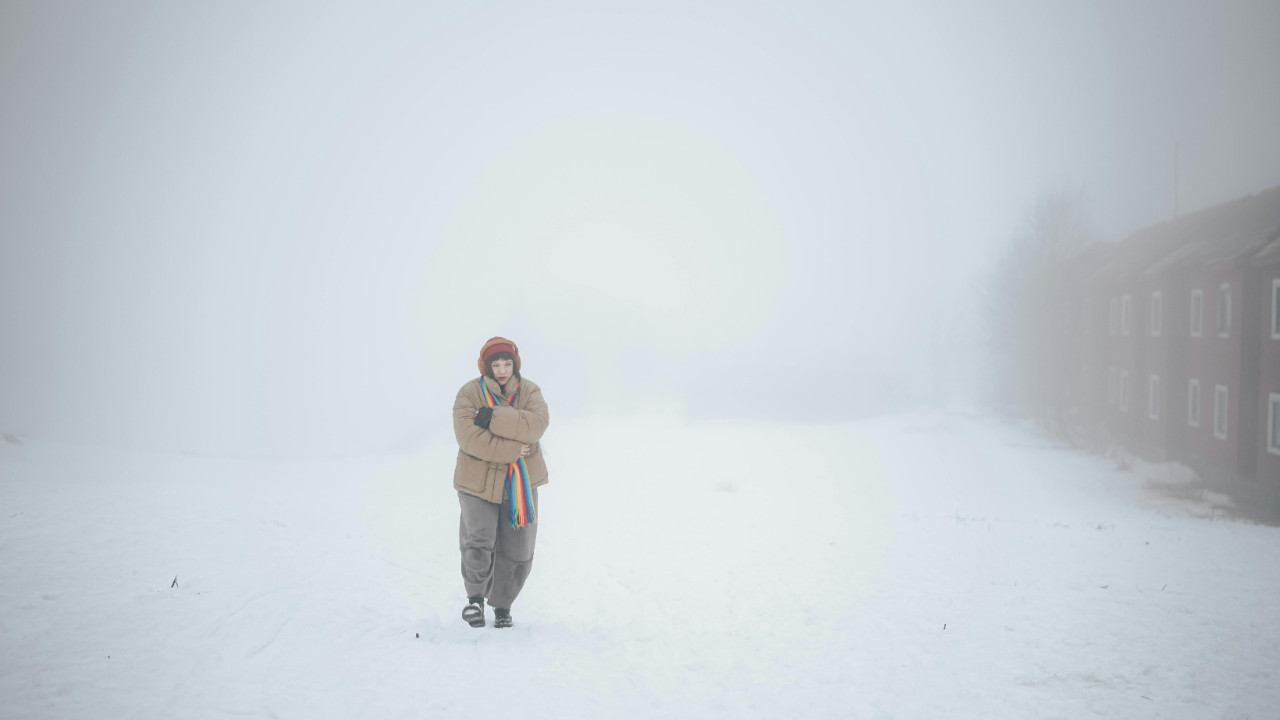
x=1111, y=386
x=1193, y=403
x=1220, y=411
x=1197, y=312
x=1275, y=309
x=1124, y=390
x=1153, y=397
x=1113, y=316
x=1224, y=309
x=1157, y=310
x=1273, y=424
x=1126, y=307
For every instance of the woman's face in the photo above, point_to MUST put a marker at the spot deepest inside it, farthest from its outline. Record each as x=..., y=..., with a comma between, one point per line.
x=502, y=369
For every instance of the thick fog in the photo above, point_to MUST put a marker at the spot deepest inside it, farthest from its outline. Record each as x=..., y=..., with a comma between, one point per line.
x=274, y=228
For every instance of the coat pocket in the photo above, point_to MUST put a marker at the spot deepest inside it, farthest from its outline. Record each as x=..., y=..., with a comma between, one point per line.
x=470, y=473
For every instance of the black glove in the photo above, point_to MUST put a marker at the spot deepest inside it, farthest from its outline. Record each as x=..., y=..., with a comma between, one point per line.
x=483, y=417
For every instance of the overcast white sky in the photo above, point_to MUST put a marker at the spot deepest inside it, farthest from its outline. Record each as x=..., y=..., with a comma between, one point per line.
x=269, y=228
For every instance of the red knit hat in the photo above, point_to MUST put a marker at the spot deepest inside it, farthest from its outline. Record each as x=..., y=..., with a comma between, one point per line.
x=494, y=346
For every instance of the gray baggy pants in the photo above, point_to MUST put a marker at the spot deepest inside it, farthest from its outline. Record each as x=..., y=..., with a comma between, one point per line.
x=496, y=558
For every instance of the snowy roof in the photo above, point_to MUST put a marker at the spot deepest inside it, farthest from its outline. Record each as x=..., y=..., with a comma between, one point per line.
x=1270, y=252
x=1230, y=231
x=1147, y=246
x=1238, y=231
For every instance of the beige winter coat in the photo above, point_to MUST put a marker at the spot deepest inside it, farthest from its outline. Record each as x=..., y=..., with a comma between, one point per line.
x=483, y=455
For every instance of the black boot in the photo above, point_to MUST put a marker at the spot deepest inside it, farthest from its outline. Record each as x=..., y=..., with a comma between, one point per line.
x=501, y=617
x=473, y=613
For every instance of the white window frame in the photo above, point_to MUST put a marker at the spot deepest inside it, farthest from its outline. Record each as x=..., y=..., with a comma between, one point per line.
x=1221, y=405
x=1197, y=313
x=1113, y=316
x=1275, y=309
x=1273, y=424
x=1224, y=310
x=1111, y=386
x=1124, y=391
x=1126, y=313
x=1157, y=312
x=1193, y=402
x=1153, y=397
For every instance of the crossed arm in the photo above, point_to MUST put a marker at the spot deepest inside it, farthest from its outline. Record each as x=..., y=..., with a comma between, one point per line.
x=510, y=431
x=524, y=426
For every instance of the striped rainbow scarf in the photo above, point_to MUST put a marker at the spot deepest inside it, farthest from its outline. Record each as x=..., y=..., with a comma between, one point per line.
x=519, y=488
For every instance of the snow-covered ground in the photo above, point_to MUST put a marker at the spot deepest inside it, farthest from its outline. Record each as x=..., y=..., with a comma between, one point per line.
x=922, y=566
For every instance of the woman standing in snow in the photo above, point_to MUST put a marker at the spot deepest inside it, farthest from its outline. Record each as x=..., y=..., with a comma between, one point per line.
x=498, y=419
